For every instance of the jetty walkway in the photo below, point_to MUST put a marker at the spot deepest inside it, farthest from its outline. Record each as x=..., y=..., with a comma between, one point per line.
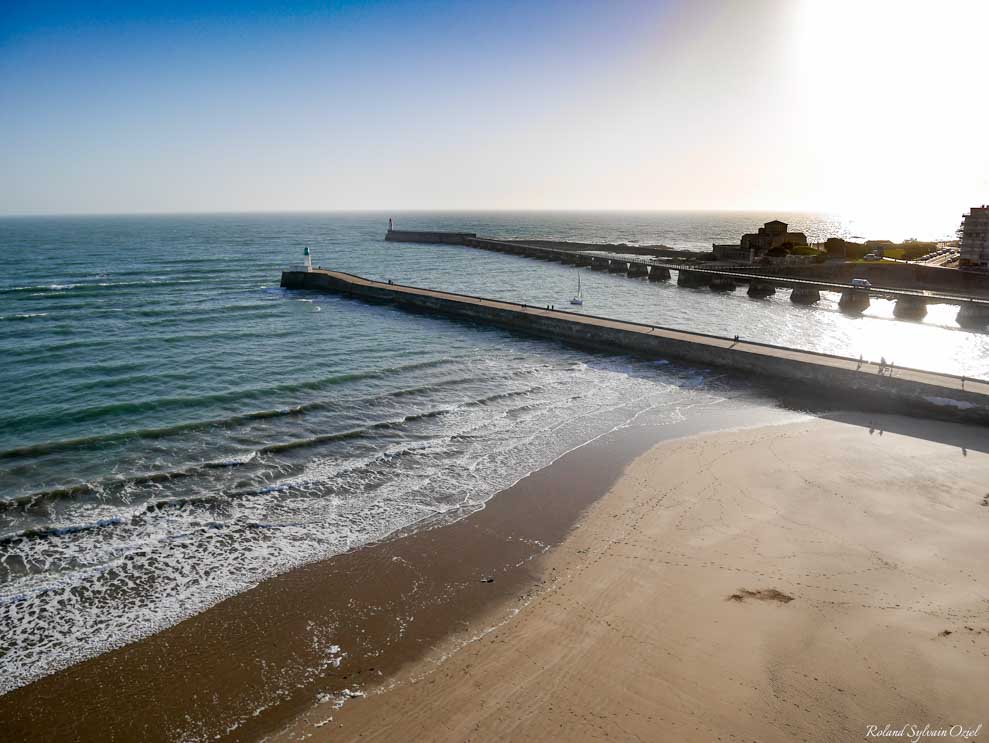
x=910, y=304
x=910, y=390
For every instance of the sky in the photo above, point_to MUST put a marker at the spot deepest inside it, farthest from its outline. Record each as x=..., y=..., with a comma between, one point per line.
x=820, y=105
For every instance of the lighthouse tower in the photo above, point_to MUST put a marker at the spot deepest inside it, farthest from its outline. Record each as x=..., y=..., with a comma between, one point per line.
x=306, y=265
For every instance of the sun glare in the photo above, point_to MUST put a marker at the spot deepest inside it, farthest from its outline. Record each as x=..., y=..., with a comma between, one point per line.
x=891, y=89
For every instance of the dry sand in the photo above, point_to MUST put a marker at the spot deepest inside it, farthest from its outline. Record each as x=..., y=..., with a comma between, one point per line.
x=795, y=582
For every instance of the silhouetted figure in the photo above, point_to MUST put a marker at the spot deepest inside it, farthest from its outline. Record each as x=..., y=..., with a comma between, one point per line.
x=389, y=224
x=882, y=364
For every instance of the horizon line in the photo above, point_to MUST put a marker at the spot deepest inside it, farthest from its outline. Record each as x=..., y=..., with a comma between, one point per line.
x=486, y=210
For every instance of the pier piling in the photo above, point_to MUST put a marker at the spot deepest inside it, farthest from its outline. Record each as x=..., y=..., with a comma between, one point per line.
x=759, y=289
x=910, y=308
x=972, y=315
x=805, y=295
x=659, y=273
x=693, y=279
x=854, y=301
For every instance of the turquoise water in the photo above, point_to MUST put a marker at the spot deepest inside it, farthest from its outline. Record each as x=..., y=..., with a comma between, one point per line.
x=174, y=427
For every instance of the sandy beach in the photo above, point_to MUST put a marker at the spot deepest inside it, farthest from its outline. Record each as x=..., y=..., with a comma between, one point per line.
x=249, y=665
x=793, y=582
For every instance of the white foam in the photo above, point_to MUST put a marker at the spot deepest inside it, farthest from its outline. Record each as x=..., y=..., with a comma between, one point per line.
x=87, y=590
x=23, y=316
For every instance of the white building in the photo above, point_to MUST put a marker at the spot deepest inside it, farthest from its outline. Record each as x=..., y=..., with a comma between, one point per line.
x=974, y=234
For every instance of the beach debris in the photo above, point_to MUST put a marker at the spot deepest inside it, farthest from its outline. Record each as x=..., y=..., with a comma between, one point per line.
x=487, y=579
x=763, y=594
x=967, y=628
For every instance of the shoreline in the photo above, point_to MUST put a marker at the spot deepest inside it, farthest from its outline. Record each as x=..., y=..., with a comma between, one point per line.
x=293, y=657
x=713, y=593
x=252, y=663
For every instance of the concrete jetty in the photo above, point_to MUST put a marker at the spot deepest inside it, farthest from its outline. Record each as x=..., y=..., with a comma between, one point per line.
x=909, y=390
x=430, y=236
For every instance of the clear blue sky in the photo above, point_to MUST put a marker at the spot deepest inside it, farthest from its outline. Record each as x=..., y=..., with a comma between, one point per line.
x=114, y=107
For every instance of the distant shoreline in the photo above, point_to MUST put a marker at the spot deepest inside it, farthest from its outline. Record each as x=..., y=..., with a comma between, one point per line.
x=460, y=213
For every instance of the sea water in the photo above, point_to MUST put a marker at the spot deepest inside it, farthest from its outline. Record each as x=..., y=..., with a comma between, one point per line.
x=174, y=427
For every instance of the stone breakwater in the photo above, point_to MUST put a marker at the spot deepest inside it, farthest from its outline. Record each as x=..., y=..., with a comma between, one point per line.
x=913, y=391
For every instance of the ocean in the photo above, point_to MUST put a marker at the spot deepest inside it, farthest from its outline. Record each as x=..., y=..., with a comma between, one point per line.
x=174, y=427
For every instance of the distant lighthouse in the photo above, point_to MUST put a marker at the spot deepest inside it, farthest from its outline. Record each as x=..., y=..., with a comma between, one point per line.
x=308, y=260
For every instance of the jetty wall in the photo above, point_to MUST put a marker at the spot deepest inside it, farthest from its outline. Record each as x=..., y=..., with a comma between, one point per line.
x=414, y=236
x=919, y=392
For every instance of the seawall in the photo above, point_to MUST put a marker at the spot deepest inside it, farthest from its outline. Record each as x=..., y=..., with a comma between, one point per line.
x=412, y=236
x=920, y=392
x=654, y=251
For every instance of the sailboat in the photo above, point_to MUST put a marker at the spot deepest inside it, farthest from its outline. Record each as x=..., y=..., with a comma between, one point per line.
x=578, y=299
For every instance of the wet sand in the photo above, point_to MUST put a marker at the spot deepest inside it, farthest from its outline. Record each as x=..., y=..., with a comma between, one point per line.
x=254, y=662
x=792, y=582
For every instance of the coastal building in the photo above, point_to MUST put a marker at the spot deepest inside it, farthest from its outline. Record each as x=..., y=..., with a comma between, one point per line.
x=974, y=234
x=837, y=247
x=772, y=235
